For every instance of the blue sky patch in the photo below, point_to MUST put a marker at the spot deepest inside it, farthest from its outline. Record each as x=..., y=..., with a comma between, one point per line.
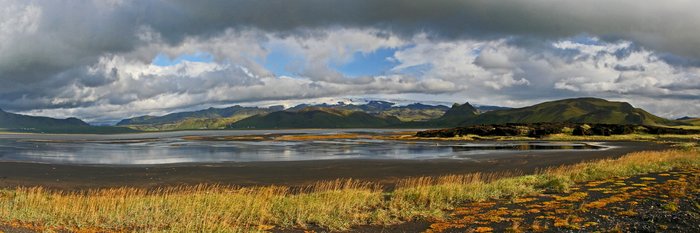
x=586, y=40
x=368, y=64
x=164, y=60
x=282, y=63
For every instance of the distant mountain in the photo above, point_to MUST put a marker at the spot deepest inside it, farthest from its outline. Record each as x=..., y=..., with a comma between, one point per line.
x=690, y=120
x=371, y=106
x=374, y=114
x=460, y=111
x=381, y=112
x=211, y=118
x=17, y=121
x=578, y=110
x=387, y=114
x=411, y=112
x=315, y=117
x=38, y=124
x=488, y=108
x=414, y=112
x=452, y=117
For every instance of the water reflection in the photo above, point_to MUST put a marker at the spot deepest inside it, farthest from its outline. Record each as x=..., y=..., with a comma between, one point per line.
x=171, y=148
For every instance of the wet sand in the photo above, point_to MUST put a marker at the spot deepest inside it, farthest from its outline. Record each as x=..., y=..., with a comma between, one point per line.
x=295, y=173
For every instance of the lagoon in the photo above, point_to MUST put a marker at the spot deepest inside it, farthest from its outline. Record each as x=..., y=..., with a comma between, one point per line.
x=145, y=149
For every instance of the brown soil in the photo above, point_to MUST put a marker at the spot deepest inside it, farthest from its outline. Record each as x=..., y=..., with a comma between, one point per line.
x=646, y=203
x=657, y=202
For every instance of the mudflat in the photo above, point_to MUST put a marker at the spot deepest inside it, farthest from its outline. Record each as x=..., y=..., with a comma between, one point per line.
x=292, y=173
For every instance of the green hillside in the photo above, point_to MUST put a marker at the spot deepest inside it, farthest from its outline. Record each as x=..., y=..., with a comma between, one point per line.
x=579, y=110
x=36, y=124
x=407, y=113
x=415, y=112
x=315, y=118
x=386, y=114
x=220, y=118
x=17, y=121
x=691, y=121
x=459, y=112
x=211, y=118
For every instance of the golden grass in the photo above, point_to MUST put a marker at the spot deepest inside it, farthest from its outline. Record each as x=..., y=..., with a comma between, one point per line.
x=336, y=205
x=410, y=136
x=208, y=208
x=625, y=137
x=563, y=137
x=304, y=137
x=691, y=127
x=308, y=137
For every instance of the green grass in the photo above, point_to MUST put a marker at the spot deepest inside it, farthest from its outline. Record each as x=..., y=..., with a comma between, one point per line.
x=336, y=205
x=569, y=137
x=407, y=115
x=585, y=110
x=689, y=127
x=624, y=137
x=192, y=124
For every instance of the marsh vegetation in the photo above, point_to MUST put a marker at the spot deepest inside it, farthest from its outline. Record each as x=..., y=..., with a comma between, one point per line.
x=334, y=205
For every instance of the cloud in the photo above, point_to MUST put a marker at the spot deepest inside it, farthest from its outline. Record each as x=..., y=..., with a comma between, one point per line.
x=122, y=85
x=503, y=72
x=464, y=63
x=35, y=32
x=92, y=59
x=669, y=25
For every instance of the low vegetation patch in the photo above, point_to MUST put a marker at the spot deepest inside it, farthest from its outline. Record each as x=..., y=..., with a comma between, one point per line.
x=333, y=205
x=593, y=206
x=564, y=131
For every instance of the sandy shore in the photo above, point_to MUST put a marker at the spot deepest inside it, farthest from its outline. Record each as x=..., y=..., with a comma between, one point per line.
x=73, y=177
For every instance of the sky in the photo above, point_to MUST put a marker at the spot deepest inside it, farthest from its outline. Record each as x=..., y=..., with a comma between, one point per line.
x=105, y=60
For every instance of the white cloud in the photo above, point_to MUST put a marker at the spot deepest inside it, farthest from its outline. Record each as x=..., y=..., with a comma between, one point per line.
x=125, y=85
x=599, y=68
x=92, y=59
x=482, y=71
x=460, y=62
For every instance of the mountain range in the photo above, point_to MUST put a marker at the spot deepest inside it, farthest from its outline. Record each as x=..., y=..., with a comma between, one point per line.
x=341, y=115
x=317, y=117
x=37, y=124
x=579, y=110
x=690, y=120
x=374, y=114
x=211, y=118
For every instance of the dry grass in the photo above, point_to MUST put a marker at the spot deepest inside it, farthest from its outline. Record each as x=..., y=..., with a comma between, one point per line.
x=336, y=205
x=628, y=165
x=691, y=127
x=625, y=137
x=310, y=137
x=562, y=137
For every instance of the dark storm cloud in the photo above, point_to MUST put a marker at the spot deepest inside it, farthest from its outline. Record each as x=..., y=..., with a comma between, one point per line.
x=47, y=48
x=73, y=32
x=665, y=25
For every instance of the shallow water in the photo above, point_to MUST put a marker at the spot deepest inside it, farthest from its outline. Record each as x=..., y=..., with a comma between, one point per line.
x=169, y=147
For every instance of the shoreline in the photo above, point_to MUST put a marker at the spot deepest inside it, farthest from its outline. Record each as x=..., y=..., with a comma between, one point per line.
x=434, y=203
x=291, y=173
